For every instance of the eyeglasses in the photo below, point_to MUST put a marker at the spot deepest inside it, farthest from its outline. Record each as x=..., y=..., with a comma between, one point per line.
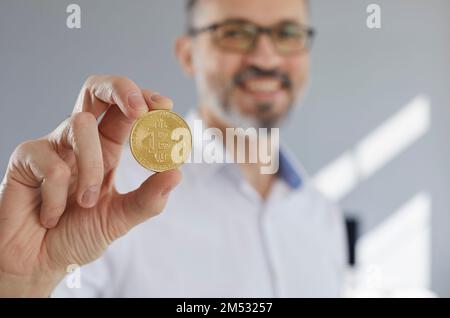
x=242, y=36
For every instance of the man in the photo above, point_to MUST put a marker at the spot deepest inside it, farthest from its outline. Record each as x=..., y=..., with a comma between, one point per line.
x=228, y=230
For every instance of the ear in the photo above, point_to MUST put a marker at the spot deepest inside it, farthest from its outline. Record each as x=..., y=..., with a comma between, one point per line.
x=183, y=52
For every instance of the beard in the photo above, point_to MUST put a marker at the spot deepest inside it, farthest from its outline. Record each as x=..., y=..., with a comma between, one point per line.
x=265, y=117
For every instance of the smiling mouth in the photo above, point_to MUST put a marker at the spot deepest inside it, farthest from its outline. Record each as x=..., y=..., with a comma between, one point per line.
x=262, y=87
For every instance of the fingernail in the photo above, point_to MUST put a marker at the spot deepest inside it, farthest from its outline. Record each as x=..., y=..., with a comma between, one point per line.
x=159, y=101
x=166, y=192
x=136, y=101
x=51, y=223
x=157, y=98
x=90, y=196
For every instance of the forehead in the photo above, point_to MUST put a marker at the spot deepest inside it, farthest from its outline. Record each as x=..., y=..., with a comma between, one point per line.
x=263, y=12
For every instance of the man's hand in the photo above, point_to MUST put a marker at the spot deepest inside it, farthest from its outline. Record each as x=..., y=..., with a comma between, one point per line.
x=58, y=203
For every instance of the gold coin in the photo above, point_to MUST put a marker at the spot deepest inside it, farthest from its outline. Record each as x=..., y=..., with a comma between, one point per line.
x=161, y=140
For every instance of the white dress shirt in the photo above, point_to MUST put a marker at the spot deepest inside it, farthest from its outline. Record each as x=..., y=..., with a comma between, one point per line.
x=218, y=238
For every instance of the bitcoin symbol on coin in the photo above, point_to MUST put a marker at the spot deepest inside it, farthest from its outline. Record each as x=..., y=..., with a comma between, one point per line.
x=160, y=140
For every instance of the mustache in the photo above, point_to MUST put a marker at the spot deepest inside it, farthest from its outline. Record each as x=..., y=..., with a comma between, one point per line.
x=254, y=72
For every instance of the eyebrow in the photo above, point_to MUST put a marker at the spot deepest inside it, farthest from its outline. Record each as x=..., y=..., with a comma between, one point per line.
x=242, y=20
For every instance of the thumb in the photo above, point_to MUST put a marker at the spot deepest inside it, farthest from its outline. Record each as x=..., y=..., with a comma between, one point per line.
x=148, y=200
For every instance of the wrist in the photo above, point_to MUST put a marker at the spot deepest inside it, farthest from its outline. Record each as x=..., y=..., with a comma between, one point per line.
x=41, y=286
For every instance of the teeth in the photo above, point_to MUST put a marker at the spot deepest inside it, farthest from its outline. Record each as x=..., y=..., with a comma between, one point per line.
x=263, y=86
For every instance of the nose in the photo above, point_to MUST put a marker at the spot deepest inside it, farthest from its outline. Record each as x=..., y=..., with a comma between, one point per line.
x=264, y=55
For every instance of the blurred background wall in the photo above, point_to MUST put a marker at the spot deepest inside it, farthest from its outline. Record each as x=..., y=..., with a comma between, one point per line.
x=373, y=130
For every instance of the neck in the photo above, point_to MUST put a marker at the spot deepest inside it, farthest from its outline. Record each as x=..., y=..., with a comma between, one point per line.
x=262, y=183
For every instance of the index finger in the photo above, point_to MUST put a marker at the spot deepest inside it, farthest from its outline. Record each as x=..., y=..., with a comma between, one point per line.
x=115, y=126
x=100, y=92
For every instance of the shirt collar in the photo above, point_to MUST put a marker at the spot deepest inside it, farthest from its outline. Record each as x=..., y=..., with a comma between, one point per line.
x=290, y=171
